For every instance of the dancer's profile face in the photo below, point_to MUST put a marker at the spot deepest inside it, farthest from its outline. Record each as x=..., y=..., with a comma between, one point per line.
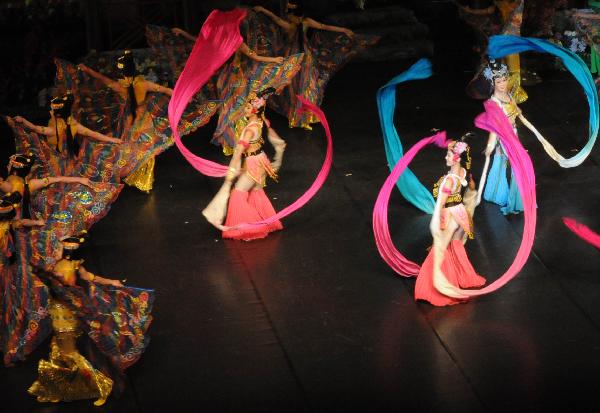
x=450, y=158
x=248, y=109
x=501, y=84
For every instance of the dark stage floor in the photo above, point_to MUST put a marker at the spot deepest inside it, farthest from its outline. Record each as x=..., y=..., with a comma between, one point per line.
x=312, y=319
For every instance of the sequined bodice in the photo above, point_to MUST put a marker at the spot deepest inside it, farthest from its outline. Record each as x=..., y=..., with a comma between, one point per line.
x=256, y=142
x=456, y=194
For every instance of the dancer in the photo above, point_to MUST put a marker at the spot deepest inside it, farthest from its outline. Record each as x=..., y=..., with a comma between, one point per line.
x=60, y=148
x=146, y=138
x=218, y=40
x=451, y=224
x=497, y=189
x=131, y=86
x=248, y=202
x=326, y=50
x=113, y=317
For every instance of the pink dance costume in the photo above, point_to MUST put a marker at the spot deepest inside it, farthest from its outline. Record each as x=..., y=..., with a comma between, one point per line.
x=254, y=205
x=456, y=265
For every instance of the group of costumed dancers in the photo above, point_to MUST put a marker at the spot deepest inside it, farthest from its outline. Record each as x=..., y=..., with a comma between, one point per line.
x=108, y=124
x=446, y=276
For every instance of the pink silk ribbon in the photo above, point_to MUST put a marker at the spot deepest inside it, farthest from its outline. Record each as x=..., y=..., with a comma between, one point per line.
x=394, y=258
x=218, y=40
x=583, y=232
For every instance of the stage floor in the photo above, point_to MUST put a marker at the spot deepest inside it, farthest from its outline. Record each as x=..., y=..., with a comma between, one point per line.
x=312, y=319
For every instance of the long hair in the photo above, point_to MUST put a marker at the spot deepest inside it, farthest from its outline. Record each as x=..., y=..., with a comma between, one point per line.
x=126, y=64
x=64, y=112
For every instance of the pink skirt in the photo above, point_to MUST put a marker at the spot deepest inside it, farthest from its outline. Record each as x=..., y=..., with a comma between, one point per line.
x=456, y=267
x=245, y=207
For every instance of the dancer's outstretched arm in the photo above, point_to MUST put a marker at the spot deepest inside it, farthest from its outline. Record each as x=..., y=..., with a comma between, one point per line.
x=42, y=130
x=180, y=32
x=113, y=84
x=97, y=136
x=35, y=184
x=252, y=55
x=88, y=276
x=320, y=26
x=284, y=24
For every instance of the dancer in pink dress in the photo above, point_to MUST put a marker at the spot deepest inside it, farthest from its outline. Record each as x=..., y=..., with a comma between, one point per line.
x=451, y=225
x=247, y=201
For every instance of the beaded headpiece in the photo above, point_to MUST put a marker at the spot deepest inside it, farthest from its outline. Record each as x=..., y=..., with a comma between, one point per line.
x=294, y=8
x=259, y=99
x=495, y=70
x=460, y=147
x=61, y=105
x=73, y=242
x=21, y=160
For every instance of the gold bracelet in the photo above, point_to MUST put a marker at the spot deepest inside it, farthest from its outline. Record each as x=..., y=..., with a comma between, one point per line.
x=92, y=277
x=46, y=181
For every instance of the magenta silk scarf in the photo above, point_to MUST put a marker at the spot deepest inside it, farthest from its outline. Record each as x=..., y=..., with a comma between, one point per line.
x=219, y=38
x=583, y=232
x=492, y=120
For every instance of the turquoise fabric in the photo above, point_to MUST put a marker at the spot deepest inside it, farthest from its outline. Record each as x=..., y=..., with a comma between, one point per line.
x=409, y=185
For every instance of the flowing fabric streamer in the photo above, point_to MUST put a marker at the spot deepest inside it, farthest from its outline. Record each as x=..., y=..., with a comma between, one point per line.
x=383, y=239
x=493, y=120
x=409, y=185
x=319, y=180
x=219, y=38
x=583, y=232
x=500, y=46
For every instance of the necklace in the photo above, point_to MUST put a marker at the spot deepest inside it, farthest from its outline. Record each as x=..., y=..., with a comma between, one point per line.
x=502, y=101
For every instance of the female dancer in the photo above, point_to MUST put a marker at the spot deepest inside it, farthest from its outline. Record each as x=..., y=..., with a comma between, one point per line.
x=451, y=224
x=324, y=54
x=497, y=189
x=248, y=202
x=114, y=318
x=136, y=122
x=132, y=87
x=60, y=150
